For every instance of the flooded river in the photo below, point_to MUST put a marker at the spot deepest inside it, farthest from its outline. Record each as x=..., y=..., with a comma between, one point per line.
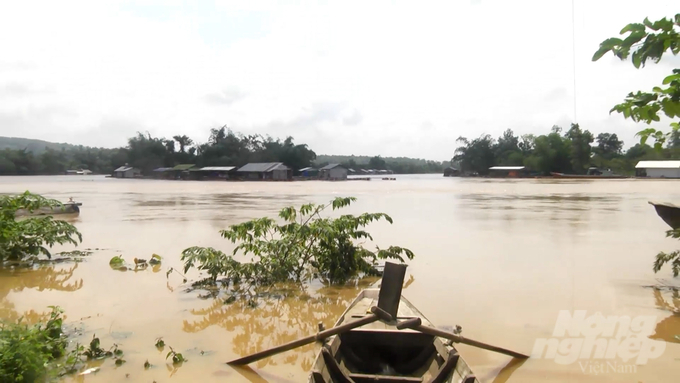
x=500, y=258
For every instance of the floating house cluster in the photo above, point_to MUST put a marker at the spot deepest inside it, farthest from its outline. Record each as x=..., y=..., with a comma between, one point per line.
x=668, y=169
x=256, y=171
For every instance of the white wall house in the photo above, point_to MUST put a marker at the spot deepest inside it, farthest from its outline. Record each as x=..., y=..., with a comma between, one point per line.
x=126, y=172
x=658, y=169
x=333, y=172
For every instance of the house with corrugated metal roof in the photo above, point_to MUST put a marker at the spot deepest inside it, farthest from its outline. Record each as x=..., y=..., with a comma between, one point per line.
x=333, y=172
x=658, y=169
x=214, y=172
x=308, y=172
x=507, y=171
x=181, y=171
x=276, y=171
x=126, y=171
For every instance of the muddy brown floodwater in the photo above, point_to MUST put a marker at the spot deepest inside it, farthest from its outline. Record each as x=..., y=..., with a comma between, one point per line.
x=500, y=258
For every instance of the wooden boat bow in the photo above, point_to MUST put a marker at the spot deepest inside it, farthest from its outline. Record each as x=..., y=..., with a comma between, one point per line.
x=669, y=212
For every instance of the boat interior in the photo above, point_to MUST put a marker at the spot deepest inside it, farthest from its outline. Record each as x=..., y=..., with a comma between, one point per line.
x=390, y=356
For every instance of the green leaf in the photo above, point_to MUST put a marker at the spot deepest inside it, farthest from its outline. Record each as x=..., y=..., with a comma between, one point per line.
x=637, y=59
x=600, y=52
x=633, y=38
x=626, y=112
x=117, y=261
x=155, y=259
x=632, y=28
x=670, y=78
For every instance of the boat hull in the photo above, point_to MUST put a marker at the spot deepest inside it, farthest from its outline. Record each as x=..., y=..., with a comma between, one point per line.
x=669, y=213
x=379, y=352
x=67, y=208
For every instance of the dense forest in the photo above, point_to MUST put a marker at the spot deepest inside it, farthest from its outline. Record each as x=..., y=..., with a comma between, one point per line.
x=571, y=151
x=223, y=148
x=399, y=165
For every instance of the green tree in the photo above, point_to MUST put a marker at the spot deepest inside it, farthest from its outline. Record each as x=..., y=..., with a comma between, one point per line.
x=305, y=246
x=377, y=162
x=674, y=139
x=580, y=141
x=551, y=153
x=183, y=141
x=296, y=156
x=7, y=165
x=31, y=237
x=147, y=153
x=477, y=155
x=649, y=41
x=507, y=149
x=608, y=145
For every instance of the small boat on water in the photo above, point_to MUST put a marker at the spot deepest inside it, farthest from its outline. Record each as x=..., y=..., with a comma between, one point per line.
x=380, y=352
x=71, y=207
x=382, y=337
x=668, y=212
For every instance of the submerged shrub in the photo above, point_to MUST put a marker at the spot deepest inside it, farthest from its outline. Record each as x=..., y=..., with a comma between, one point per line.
x=26, y=351
x=31, y=237
x=305, y=245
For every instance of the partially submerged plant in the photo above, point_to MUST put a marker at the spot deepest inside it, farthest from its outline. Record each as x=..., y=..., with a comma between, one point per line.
x=30, y=353
x=177, y=358
x=118, y=263
x=28, y=238
x=306, y=245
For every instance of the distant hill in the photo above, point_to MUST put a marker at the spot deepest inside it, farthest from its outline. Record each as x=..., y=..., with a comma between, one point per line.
x=31, y=145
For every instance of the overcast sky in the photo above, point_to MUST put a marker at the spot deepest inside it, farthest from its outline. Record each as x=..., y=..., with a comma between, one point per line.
x=395, y=78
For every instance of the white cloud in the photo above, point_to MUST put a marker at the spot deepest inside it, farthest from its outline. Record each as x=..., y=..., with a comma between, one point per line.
x=380, y=77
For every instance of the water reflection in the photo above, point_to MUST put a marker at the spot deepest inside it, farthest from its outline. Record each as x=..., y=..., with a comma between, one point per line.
x=221, y=206
x=294, y=314
x=668, y=329
x=574, y=209
x=578, y=202
x=47, y=277
x=507, y=371
x=261, y=376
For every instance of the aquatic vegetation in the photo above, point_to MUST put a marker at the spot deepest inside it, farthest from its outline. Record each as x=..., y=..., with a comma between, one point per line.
x=30, y=353
x=305, y=246
x=155, y=259
x=177, y=358
x=118, y=263
x=27, y=239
